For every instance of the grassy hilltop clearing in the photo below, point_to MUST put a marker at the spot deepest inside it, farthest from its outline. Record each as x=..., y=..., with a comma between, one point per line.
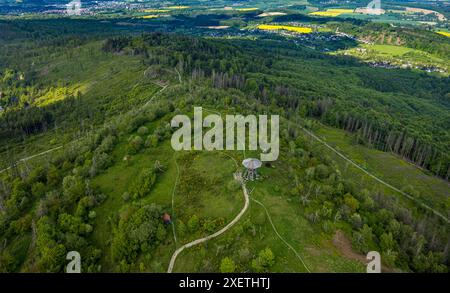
x=86, y=161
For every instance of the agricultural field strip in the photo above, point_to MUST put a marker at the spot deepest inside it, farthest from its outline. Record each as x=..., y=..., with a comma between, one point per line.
x=375, y=177
x=218, y=233
x=279, y=236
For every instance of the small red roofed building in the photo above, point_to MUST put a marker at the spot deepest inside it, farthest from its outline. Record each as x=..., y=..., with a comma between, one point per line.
x=166, y=218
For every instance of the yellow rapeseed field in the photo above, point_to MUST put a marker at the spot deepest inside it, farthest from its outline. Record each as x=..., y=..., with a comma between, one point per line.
x=150, y=16
x=447, y=34
x=297, y=29
x=332, y=12
x=178, y=7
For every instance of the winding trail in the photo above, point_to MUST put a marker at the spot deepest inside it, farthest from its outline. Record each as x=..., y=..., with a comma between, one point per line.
x=224, y=229
x=279, y=236
x=179, y=75
x=221, y=231
x=425, y=206
x=33, y=156
x=153, y=97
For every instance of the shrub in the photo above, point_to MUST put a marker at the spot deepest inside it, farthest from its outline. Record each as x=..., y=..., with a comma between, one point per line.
x=151, y=141
x=161, y=233
x=227, y=265
x=92, y=215
x=356, y=221
x=351, y=202
x=38, y=189
x=135, y=144
x=264, y=261
x=233, y=185
x=69, y=223
x=143, y=183
x=362, y=239
x=209, y=226
x=73, y=188
x=321, y=171
x=193, y=223
x=181, y=228
x=136, y=233
x=142, y=130
x=100, y=162
x=126, y=196
x=107, y=144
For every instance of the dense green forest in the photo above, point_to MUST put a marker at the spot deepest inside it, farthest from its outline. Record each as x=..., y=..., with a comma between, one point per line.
x=95, y=89
x=403, y=105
